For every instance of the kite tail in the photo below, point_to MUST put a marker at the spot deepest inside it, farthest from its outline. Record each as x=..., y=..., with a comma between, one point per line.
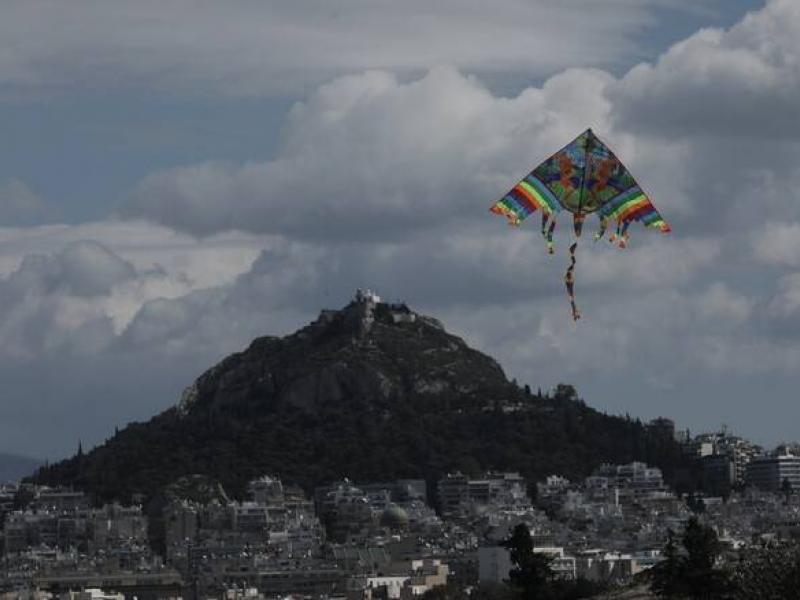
x=577, y=223
x=601, y=232
x=569, y=281
x=547, y=232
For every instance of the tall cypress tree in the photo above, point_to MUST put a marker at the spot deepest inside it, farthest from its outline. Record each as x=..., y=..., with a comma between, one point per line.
x=666, y=575
x=532, y=573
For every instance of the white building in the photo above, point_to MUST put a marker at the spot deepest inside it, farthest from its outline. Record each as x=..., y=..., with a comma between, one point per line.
x=405, y=579
x=769, y=472
x=458, y=493
x=635, y=481
x=602, y=565
x=91, y=594
x=563, y=565
x=494, y=563
x=553, y=485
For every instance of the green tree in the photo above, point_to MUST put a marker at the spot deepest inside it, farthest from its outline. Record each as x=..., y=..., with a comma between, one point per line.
x=771, y=571
x=695, y=503
x=450, y=591
x=492, y=591
x=532, y=573
x=703, y=579
x=666, y=579
x=693, y=574
x=565, y=392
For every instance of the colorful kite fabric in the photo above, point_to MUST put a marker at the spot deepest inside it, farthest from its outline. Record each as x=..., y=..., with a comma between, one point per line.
x=583, y=177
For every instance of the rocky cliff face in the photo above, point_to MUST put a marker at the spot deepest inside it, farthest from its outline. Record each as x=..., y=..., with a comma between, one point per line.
x=378, y=354
x=373, y=391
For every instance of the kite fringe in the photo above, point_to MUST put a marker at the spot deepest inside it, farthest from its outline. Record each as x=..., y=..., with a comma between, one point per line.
x=513, y=219
x=621, y=236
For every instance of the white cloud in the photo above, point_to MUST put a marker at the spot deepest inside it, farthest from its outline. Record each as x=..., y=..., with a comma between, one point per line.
x=57, y=302
x=778, y=244
x=720, y=302
x=212, y=261
x=86, y=283
x=659, y=262
x=158, y=301
x=369, y=157
x=744, y=81
x=785, y=305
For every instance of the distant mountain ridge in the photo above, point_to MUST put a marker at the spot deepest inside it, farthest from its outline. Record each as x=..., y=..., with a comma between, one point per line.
x=373, y=391
x=14, y=467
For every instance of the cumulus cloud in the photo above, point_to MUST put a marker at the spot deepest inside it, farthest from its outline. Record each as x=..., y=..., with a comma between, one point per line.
x=479, y=280
x=52, y=302
x=368, y=156
x=744, y=81
x=82, y=268
x=215, y=260
x=778, y=244
x=785, y=305
x=77, y=288
x=85, y=291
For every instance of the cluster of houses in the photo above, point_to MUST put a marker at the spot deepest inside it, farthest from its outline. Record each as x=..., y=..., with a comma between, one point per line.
x=394, y=539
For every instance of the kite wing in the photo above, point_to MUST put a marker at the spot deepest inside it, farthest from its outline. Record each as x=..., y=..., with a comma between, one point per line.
x=583, y=177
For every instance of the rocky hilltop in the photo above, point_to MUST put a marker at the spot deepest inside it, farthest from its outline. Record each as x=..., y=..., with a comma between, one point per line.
x=373, y=391
x=370, y=356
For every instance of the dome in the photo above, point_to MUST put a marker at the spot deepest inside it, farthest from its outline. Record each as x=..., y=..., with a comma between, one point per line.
x=395, y=517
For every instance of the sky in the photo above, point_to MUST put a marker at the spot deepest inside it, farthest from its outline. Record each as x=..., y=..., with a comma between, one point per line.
x=177, y=178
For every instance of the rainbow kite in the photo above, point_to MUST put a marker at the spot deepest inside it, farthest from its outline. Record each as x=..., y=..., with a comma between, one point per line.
x=583, y=177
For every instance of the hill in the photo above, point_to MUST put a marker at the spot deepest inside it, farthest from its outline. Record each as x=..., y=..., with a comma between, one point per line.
x=373, y=392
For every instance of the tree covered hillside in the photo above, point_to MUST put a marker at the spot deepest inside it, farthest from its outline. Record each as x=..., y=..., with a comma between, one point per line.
x=371, y=392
